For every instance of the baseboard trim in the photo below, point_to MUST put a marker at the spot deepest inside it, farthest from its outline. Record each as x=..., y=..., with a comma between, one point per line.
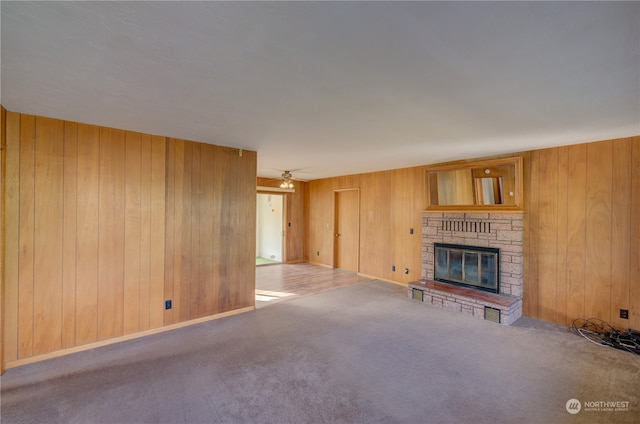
x=63, y=352
x=373, y=277
x=319, y=264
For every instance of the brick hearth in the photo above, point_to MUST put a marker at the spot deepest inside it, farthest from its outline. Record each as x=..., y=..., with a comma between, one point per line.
x=499, y=230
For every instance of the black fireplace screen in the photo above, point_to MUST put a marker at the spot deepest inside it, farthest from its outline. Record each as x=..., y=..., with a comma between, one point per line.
x=471, y=266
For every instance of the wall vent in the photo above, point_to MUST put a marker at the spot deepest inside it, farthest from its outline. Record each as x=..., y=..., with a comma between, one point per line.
x=466, y=226
x=417, y=294
x=492, y=314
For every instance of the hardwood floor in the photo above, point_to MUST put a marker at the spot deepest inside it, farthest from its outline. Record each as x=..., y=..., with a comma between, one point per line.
x=275, y=283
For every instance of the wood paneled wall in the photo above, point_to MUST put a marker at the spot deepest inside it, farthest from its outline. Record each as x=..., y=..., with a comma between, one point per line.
x=104, y=225
x=294, y=204
x=582, y=229
x=391, y=203
x=582, y=240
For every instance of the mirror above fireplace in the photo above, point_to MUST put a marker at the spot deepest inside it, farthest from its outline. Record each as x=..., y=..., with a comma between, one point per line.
x=488, y=185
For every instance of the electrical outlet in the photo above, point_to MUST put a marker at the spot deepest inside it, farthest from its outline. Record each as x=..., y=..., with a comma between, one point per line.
x=393, y=268
x=318, y=253
x=410, y=230
x=167, y=304
x=624, y=313
x=406, y=271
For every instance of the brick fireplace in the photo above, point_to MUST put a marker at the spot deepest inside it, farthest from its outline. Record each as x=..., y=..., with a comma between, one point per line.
x=503, y=231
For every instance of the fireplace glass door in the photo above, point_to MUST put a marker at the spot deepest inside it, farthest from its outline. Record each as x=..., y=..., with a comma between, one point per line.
x=476, y=267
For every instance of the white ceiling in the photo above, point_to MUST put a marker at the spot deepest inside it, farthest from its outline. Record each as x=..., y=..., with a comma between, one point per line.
x=332, y=88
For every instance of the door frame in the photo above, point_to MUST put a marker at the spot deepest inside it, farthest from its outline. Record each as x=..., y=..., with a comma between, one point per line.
x=335, y=226
x=283, y=227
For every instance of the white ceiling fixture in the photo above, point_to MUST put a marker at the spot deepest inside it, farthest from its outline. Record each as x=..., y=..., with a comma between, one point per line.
x=334, y=87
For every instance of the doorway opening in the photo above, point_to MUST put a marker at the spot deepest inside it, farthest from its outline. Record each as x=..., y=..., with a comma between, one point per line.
x=269, y=228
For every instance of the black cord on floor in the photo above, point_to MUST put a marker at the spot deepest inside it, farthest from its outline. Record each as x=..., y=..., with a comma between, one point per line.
x=602, y=333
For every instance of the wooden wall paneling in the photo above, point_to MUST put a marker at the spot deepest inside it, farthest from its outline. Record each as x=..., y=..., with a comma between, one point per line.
x=87, y=231
x=236, y=208
x=412, y=220
x=196, y=228
x=598, y=237
x=206, y=301
x=247, y=227
x=170, y=231
x=634, y=237
x=159, y=229
x=295, y=219
x=111, y=233
x=249, y=167
x=182, y=248
x=26, y=237
x=145, y=231
x=222, y=231
x=3, y=164
x=548, y=235
x=217, y=164
x=562, y=286
x=374, y=235
x=576, y=230
x=11, y=215
x=69, y=235
x=531, y=282
x=419, y=205
x=621, y=230
x=393, y=216
x=132, y=232
x=48, y=225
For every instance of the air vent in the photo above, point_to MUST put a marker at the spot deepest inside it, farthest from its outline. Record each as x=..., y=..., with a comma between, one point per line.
x=466, y=226
x=492, y=314
x=417, y=294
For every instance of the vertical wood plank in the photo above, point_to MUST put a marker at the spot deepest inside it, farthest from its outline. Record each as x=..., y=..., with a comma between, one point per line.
x=145, y=229
x=11, y=203
x=233, y=221
x=159, y=206
x=246, y=183
x=206, y=301
x=132, y=233
x=547, y=235
x=222, y=237
x=87, y=234
x=576, y=230
x=530, y=290
x=111, y=234
x=26, y=236
x=69, y=234
x=3, y=164
x=634, y=236
x=182, y=237
x=562, y=208
x=48, y=222
x=195, y=200
x=621, y=230
x=169, y=261
x=598, y=242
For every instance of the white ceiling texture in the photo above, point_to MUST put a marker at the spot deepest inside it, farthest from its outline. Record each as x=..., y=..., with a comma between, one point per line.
x=332, y=88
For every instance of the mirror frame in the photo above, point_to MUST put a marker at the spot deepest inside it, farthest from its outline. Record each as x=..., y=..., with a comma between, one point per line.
x=431, y=180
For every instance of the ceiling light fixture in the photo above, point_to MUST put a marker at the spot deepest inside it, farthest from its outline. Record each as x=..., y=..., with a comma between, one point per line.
x=286, y=180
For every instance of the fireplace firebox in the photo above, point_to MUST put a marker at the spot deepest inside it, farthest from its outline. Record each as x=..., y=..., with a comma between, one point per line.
x=470, y=266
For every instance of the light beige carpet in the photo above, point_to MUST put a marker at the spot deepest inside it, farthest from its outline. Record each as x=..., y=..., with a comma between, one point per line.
x=358, y=354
